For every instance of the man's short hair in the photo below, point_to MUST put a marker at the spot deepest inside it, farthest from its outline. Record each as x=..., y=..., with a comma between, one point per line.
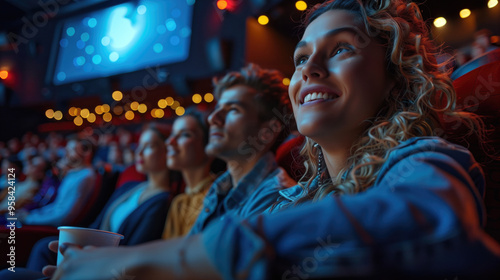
x=271, y=93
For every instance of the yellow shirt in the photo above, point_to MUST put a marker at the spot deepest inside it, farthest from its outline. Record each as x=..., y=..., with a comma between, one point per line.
x=185, y=209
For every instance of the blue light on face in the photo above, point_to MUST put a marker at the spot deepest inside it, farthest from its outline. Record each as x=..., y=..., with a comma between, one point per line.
x=89, y=49
x=96, y=59
x=171, y=25
x=174, y=40
x=158, y=48
x=85, y=36
x=92, y=22
x=113, y=56
x=80, y=44
x=64, y=42
x=141, y=9
x=61, y=76
x=70, y=31
x=105, y=41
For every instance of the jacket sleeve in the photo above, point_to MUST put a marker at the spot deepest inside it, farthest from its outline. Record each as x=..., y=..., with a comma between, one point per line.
x=422, y=216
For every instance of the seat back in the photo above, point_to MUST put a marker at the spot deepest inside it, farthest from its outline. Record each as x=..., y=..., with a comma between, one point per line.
x=478, y=91
x=130, y=174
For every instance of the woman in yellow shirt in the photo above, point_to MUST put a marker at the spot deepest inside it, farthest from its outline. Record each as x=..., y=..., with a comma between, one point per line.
x=186, y=154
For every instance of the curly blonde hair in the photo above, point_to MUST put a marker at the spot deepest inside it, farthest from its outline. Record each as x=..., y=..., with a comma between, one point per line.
x=420, y=95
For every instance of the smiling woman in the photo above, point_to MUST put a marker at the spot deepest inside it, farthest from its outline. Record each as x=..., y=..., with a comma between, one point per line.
x=383, y=197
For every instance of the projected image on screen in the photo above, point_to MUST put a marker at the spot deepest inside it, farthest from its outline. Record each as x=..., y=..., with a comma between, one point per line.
x=124, y=38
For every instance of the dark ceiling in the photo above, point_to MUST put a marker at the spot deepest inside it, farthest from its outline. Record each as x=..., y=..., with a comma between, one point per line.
x=12, y=11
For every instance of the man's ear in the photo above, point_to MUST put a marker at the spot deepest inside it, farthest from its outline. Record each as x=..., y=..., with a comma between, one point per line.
x=270, y=130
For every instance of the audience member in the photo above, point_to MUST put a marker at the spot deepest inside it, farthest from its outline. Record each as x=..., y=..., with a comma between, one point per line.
x=76, y=188
x=137, y=210
x=186, y=154
x=26, y=190
x=243, y=129
x=483, y=39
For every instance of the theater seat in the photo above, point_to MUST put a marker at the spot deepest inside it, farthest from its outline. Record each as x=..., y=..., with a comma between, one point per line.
x=478, y=91
x=130, y=174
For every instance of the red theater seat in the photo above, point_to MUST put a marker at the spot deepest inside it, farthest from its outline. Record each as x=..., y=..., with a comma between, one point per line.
x=478, y=91
x=130, y=174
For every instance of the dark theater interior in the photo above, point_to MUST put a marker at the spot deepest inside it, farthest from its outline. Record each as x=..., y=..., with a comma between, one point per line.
x=131, y=118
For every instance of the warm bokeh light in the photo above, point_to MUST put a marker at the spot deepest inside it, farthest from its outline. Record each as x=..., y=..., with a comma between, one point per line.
x=495, y=40
x=72, y=111
x=142, y=108
x=162, y=103
x=98, y=109
x=170, y=101
x=492, y=3
x=180, y=111
x=464, y=13
x=301, y=5
x=85, y=113
x=78, y=121
x=159, y=113
x=58, y=115
x=105, y=108
x=134, y=106
x=439, y=22
x=77, y=111
x=4, y=74
x=197, y=98
x=91, y=118
x=49, y=113
x=263, y=20
x=129, y=115
x=107, y=117
x=175, y=105
x=118, y=110
x=117, y=95
x=209, y=97
x=286, y=81
x=222, y=4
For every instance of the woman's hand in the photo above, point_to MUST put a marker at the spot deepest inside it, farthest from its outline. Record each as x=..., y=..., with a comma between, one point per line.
x=162, y=259
x=91, y=263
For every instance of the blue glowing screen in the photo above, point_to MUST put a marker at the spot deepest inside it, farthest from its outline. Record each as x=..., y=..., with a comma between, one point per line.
x=124, y=38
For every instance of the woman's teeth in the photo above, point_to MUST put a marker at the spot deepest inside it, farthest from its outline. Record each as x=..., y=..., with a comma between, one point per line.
x=318, y=95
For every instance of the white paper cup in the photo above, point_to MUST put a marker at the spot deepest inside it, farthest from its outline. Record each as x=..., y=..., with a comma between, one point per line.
x=86, y=237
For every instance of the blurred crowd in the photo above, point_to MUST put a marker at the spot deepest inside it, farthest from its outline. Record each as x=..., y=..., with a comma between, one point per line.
x=481, y=45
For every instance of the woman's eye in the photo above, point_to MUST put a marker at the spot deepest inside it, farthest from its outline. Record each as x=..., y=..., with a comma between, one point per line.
x=341, y=48
x=300, y=60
